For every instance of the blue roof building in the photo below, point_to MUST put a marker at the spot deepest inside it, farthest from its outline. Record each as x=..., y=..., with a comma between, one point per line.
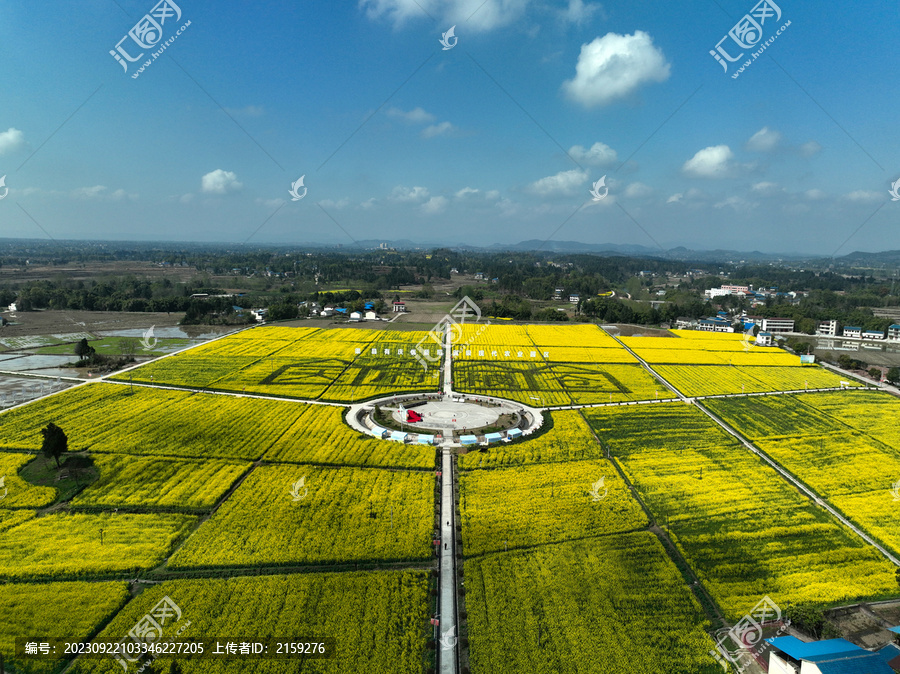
x=832, y=656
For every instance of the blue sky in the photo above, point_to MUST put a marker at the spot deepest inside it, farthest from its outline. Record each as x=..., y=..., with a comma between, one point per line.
x=496, y=140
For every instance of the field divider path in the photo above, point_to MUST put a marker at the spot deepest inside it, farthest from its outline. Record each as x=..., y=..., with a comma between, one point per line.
x=765, y=457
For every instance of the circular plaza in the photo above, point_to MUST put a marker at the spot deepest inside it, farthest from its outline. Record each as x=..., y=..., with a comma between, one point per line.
x=447, y=420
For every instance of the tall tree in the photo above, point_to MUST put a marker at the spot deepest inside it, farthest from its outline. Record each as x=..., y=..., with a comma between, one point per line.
x=55, y=442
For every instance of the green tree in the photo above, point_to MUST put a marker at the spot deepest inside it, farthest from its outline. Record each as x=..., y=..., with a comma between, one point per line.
x=55, y=442
x=84, y=350
x=893, y=375
x=874, y=373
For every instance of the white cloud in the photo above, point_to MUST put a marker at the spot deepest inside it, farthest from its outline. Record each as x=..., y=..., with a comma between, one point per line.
x=186, y=198
x=337, y=205
x=737, y=203
x=220, y=182
x=11, y=140
x=101, y=192
x=466, y=191
x=492, y=195
x=810, y=148
x=579, y=12
x=434, y=205
x=564, y=182
x=437, y=129
x=815, y=195
x=638, y=190
x=675, y=198
x=767, y=189
x=405, y=194
x=864, y=196
x=600, y=154
x=710, y=162
x=474, y=15
x=764, y=140
x=414, y=116
x=368, y=204
x=615, y=66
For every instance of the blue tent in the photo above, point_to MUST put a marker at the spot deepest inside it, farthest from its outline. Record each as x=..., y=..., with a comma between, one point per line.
x=468, y=439
x=514, y=433
x=425, y=439
x=493, y=437
x=399, y=436
x=379, y=432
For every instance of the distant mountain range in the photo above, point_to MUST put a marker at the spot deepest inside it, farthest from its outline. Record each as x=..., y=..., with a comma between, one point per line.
x=881, y=259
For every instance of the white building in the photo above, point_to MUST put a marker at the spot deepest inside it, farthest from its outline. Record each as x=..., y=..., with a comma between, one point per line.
x=573, y=299
x=852, y=331
x=355, y=317
x=827, y=328
x=872, y=334
x=399, y=307
x=776, y=325
x=894, y=332
x=685, y=323
x=764, y=339
x=371, y=316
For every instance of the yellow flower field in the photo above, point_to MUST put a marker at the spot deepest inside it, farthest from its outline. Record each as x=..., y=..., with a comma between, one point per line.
x=341, y=515
x=705, y=380
x=612, y=604
x=64, y=609
x=306, y=363
x=755, y=356
x=584, y=335
x=378, y=620
x=745, y=531
x=320, y=436
x=554, y=384
x=149, y=483
x=16, y=492
x=545, y=503
x=69, y=545
x=565, y=437
x=848, y=468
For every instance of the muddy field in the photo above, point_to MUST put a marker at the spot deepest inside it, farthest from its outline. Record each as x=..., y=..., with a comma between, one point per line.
x=64, y=322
